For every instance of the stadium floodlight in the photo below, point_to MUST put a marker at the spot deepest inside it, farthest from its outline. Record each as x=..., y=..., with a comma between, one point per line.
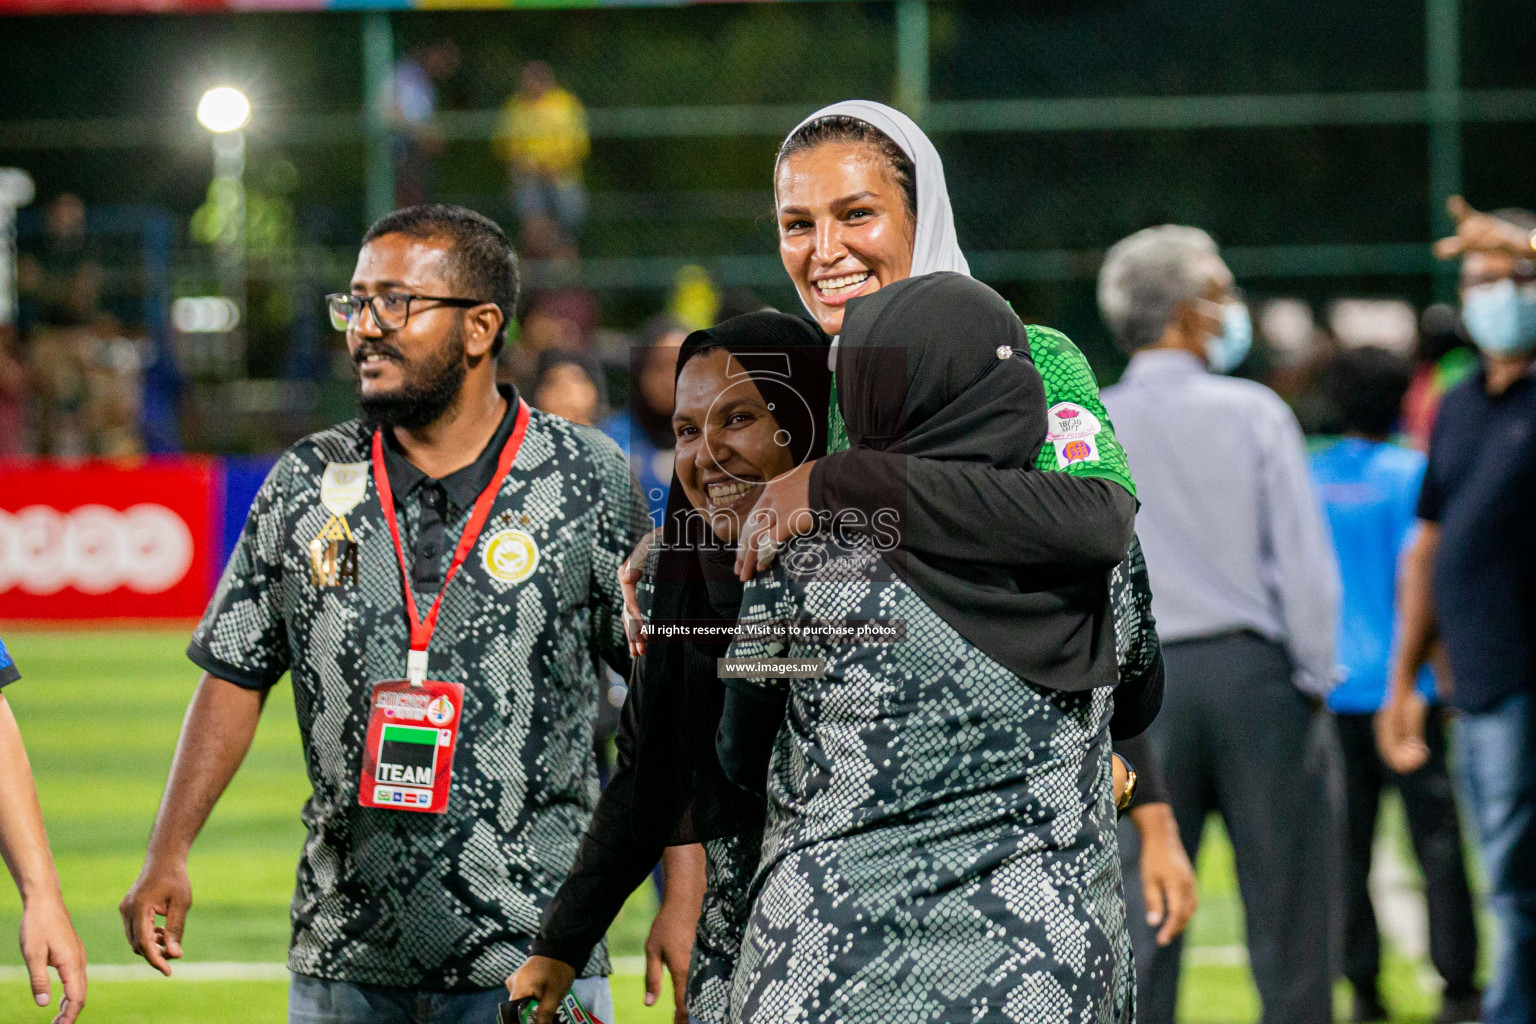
x=225, y=112
x=224, y=109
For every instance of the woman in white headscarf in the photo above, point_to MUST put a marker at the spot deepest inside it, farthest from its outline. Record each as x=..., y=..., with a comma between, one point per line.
x=861, y=202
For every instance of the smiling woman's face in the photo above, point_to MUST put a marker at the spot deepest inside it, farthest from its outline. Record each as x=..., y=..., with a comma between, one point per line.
x=727, y=441
x=844, y=227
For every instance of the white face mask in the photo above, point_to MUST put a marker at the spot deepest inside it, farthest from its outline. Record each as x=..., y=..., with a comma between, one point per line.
x=1226, y=351
x=1501, y=317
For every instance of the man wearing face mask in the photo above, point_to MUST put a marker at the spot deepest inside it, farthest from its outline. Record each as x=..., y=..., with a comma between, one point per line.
x=1467, y=582
x=1245, y=588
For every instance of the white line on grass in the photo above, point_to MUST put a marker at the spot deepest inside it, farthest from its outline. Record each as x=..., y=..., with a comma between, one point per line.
x=231, y=971
x=633, y=966
x=212, y=971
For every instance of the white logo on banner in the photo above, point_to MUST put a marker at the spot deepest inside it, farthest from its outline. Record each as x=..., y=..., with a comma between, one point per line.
x=94, y=549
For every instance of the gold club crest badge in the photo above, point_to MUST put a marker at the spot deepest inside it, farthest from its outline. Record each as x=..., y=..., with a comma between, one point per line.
x=510, y=556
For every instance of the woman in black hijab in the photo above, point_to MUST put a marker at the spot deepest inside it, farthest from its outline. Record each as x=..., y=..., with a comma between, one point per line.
x=940, y=840
x=751, y=404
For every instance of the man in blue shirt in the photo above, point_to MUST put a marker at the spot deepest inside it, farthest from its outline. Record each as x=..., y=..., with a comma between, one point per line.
x=1369, y=488
x=1468, y=581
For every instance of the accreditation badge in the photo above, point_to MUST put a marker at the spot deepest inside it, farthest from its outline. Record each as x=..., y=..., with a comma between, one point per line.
x=408, y=753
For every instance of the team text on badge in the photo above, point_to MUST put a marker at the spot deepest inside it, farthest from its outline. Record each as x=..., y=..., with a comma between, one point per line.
x=408, y=748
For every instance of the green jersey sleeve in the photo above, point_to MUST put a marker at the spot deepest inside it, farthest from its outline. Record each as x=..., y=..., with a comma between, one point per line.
x=837, y=432
x=1079, y=438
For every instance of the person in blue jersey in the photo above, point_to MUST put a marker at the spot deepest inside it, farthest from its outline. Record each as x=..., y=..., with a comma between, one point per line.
x=1369, y=487
x=48, y=937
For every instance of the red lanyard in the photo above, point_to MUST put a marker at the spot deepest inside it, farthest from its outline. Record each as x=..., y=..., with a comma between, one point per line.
x=422, y=629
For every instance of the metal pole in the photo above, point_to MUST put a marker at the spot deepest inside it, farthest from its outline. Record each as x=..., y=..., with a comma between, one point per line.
x=229, y=172
x=378, y=65
x=912, y=58
x=1442, y=61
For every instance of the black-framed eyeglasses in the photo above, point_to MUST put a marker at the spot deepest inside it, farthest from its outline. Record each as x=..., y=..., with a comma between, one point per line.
x=391, y=310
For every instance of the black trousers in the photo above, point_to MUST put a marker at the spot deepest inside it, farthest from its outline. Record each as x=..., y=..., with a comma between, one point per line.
x=1430, y=806
x=1236, y=738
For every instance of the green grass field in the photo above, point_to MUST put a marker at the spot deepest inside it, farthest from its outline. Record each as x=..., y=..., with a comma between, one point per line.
x=100, y=712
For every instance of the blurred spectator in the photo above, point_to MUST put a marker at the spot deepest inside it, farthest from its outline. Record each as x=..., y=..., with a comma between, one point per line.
x=644, y=430
x=561, y=310
x=694, y=301
x=1244, y=590
x=414, y=98
x=85, y=376
x=570, y=384
x=61, y=282
x=1442, y=360
x=1369, y=487
x=113, y=392
x=547, y=327
x=1468, y=581
x=543, y=141
x=62, y=277
x=1295, y=348
x=13, y=395
x=555, y=274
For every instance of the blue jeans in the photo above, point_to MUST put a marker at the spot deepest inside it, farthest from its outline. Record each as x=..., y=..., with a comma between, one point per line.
x=320, y=1001
x=564, y=202
x=1498, y=768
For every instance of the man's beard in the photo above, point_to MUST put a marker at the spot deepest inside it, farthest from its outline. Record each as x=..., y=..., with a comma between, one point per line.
x=430, y=388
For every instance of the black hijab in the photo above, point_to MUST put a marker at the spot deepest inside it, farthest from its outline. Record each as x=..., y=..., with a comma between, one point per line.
x=675, y=691
x=939, y=367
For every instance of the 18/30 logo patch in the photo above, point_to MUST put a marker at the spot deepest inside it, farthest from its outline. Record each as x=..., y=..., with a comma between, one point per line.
x=510, y=556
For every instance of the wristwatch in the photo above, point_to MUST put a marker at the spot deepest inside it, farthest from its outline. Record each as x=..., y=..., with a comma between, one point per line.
x=1124, y=803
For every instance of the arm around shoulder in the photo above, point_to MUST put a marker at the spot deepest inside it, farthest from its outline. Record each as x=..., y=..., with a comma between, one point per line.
x=971, y=512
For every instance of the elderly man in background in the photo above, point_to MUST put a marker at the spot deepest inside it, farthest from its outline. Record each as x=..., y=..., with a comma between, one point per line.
x=1467, y=582
x=1245, y=592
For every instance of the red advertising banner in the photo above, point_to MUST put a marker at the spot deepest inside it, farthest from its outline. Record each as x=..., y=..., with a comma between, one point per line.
x=107, y=541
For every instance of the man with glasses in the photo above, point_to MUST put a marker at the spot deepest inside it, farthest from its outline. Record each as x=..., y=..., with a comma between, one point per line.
x=1244, y=589
x=439, y=579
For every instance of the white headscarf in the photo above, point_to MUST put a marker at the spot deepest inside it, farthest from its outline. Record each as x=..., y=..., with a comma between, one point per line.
x=935, y=248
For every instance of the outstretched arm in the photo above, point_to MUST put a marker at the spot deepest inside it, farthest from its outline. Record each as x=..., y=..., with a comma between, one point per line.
x=220, y=724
